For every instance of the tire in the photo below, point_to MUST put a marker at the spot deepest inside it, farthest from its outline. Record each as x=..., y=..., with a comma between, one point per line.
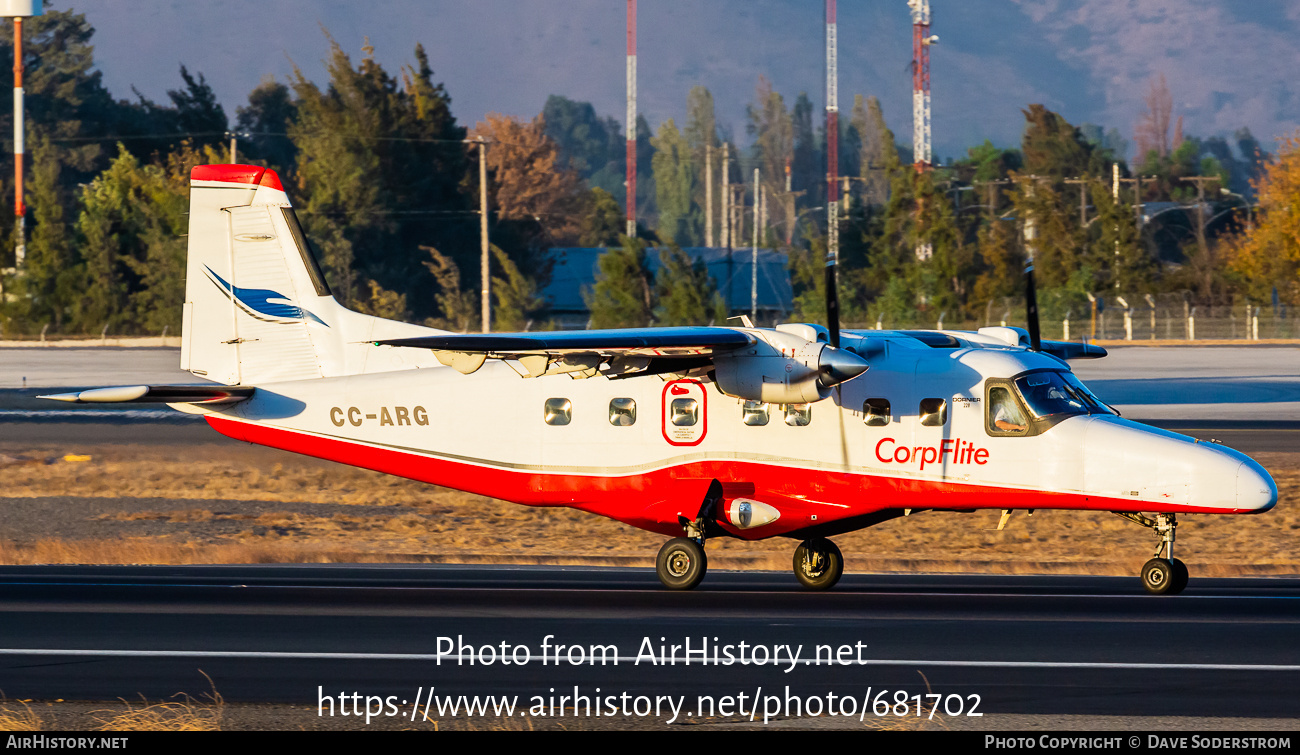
x=681, y=564
x=1181, y=576
x=1160, y=577
x=818, y=564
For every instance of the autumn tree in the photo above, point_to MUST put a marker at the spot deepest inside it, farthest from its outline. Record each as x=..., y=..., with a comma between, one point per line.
x=1152, y=132
x=527, y=178
x=1268, y=253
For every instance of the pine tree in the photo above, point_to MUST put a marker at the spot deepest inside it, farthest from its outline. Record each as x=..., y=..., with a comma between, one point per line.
x=623, y=296
x=687, y=294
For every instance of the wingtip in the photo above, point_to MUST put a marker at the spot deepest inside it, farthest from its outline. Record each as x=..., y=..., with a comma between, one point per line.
x=71, y=398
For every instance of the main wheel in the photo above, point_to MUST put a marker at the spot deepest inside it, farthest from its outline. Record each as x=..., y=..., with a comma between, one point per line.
x=1160, y=577
x=1180, y=577
x=681, y=564
x=818, y=564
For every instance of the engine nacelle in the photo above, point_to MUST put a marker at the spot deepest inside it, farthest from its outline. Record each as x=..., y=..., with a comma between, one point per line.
x=782, y=368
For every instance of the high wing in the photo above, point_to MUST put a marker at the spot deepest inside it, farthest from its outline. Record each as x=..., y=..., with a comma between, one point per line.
x=624, y=352
x=1073, y=350
x=158, y=394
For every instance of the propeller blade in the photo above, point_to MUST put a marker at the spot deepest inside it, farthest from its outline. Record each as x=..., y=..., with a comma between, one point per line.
x=832, y=303
x=1031, y=307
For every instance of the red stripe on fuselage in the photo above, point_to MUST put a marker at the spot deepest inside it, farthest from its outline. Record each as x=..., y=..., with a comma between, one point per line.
x=654, y=501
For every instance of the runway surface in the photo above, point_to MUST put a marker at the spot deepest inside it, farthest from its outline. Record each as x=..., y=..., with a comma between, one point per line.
x=1026, y=645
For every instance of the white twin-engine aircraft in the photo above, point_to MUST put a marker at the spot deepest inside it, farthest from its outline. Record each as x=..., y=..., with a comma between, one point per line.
x=694, y=433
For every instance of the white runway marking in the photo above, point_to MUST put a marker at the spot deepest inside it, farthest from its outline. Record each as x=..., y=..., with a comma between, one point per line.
x=630, y=660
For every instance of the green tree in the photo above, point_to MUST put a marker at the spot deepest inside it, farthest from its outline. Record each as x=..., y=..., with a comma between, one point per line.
x=516, y=296
x=687, y=294
x=623, y=296
x=458, y=309
x=603, y=220
x=675, y=182
x=772, y=127
x=379, y=173
x=263, y=125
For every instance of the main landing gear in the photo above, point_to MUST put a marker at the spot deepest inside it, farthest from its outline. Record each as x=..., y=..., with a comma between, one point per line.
x=681, y=565
x=818, y=564
x=1163, y=574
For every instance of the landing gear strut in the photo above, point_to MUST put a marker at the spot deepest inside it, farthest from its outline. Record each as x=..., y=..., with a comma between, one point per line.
x=818, y=564
x=1163, y=574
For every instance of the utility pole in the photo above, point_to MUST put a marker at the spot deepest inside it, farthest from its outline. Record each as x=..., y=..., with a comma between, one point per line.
x=1201, y=246
x=483, y=235
x=708, y=195
x=631, y=119
x=1137, y=200
x=753, y=280
x=726, y=197
x=1083, y=199
x=1114, y=191
x=832, y=149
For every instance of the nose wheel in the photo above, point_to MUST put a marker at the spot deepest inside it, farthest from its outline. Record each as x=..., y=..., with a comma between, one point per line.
x=1163, y=574
x=818, y=564
x=681, y=564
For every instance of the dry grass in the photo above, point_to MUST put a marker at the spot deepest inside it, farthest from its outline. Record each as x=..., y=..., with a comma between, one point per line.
x=159, y=551
x=186, y=714
x=18, y=719
x=448, y=526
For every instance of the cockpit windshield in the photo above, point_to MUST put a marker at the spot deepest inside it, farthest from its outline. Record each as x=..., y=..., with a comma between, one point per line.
x=1058, y=393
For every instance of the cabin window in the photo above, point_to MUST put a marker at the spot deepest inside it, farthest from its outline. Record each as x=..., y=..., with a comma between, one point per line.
x=685, y=412
x=622, y=412
x=798, y=415
x=559, y=411
x=875, y=412
x=934, y=412
x=1005, y=415
x=754, y=413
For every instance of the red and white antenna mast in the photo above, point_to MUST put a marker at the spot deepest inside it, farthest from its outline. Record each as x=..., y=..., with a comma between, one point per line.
x=922, y=155
x=631, y=118
x=832, y=140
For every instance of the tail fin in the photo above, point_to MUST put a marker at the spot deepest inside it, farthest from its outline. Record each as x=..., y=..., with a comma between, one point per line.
x=257, y=308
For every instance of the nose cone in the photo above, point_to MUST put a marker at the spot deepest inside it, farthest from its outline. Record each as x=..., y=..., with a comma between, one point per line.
x=1256, y=490
x=839, y=365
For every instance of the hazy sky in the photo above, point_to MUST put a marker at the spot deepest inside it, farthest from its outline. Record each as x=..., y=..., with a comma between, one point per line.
x=1229, y=63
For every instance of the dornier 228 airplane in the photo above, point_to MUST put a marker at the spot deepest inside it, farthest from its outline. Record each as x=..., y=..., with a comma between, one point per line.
x=797, y=431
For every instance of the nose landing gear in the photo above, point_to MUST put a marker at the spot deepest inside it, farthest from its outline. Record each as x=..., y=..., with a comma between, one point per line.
x=1163, y=574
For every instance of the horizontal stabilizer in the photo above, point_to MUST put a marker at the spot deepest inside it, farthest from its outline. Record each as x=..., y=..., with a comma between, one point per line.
x=659, y=342
x=157, y=394
x=1073, y=350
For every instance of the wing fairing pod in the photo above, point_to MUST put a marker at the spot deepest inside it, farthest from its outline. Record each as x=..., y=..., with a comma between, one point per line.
x=157, y=394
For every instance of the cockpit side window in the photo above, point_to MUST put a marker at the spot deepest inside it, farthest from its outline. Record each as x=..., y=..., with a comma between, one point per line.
x=1005, y=414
